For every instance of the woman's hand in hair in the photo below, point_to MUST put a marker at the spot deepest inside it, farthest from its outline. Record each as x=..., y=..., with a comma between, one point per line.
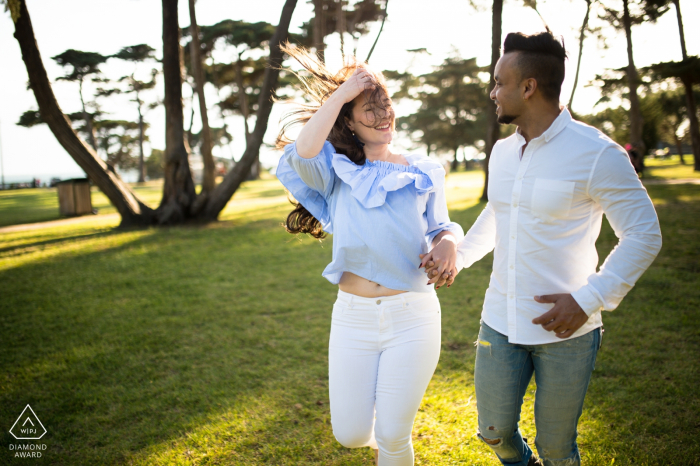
x=360, y=81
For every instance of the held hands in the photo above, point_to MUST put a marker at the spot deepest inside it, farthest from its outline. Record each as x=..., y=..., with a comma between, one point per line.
x=360, y=81
x=440, y=262
x=564, y=318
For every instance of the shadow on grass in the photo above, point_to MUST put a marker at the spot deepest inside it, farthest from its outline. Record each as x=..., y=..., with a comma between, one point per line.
x=208, y=345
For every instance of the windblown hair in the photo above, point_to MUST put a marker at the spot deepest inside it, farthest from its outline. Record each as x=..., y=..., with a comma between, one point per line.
x=542, y=57
x=319, y=83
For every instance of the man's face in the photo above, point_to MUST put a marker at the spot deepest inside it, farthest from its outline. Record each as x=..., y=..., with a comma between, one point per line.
x=507, y=92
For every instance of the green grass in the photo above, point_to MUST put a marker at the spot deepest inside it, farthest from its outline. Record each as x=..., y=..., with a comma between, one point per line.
x=208, y=345
x=670, y=168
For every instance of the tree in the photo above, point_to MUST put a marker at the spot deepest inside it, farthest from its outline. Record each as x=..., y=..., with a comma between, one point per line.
x=178, y=203
x=582, y=35
x=331, y=16
x=233, y=179
x=672, y=106
x=82, y=64
x=137, y=54
x=132, y=211
x=493, y=129
x=688, y=73
x=208, y=180
x=243, y=74
x=453, y=106
x=644, y=10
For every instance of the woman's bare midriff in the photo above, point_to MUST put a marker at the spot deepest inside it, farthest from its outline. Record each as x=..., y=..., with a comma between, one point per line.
x=353, y=284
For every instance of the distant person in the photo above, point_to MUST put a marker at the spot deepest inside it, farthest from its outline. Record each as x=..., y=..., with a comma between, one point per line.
x=636, y=158
x=384, y=209
x=549, y=185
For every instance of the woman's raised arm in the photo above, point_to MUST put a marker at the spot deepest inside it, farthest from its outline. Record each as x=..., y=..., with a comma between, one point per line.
x=316, y=130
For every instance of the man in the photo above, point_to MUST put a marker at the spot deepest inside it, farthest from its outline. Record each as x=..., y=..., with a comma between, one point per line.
x=549, y=185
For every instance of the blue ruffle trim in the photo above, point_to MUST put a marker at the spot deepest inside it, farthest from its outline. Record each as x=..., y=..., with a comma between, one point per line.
x=311, y=199
x=369, y=183
x=372, y=181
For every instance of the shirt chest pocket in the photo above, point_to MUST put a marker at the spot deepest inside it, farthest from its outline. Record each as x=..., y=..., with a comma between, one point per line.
x=552, y=199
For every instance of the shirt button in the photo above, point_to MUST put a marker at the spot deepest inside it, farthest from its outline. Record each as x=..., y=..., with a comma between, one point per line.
x=512, y=267
x=512, y=237
x=515, y=204
x=379, y=301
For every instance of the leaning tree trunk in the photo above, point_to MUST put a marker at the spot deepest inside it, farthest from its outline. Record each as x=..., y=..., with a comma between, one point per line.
x=132, y=211
x=493, y=130
x=636, y=120
x=208, y=180
x=178, y=189
x=689, y=96
x=233, y=179
x=580, y=52
x=319, y=29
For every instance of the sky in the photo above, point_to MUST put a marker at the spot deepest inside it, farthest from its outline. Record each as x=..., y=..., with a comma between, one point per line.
x=441, y=26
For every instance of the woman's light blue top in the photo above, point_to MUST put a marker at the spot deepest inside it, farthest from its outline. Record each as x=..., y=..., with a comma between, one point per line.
x=382, y=215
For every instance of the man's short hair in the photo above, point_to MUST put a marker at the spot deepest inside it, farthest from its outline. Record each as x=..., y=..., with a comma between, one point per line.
x=541, y=57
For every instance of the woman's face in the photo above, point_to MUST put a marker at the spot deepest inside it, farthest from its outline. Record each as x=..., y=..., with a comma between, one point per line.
x=372, y=124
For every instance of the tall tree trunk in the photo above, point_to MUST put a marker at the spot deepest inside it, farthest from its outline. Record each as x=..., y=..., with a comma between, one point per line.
x=208, y=180
x=689, y=96
x=89, y=127
x=636, y=120
x=233, y=179
x=693, y=118
x=319, y=29
x=342, y=27
x=493, y=130
x=142, y=165
x=580, y=52
x=679, y=147
x=243, y=104
x=178, y=188
x=132, y=211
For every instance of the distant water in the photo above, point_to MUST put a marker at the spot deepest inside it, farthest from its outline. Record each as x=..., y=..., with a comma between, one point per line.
x=43, y=177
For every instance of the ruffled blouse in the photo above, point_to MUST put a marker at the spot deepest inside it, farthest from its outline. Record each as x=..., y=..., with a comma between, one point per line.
x=382, y=215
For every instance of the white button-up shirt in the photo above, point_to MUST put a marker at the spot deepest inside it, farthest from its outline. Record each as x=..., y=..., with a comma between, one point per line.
x=542, y=221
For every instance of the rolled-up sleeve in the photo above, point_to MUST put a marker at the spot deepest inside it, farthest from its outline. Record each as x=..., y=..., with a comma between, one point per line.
x=438, y=217
x=614, y=185
x=316, y=172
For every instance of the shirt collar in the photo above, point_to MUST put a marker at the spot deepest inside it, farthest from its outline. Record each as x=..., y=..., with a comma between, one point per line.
x=555, y=128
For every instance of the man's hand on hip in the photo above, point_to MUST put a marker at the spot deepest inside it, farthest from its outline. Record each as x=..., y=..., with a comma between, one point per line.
x=564, y=318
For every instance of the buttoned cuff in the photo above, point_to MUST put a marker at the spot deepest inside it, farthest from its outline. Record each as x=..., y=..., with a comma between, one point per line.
x=588, y=301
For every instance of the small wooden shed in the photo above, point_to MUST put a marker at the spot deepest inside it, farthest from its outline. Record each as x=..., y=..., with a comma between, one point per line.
x=74, y=197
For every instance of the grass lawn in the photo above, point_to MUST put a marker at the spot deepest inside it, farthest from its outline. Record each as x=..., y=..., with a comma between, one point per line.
x=670, y=168
x=208, y=345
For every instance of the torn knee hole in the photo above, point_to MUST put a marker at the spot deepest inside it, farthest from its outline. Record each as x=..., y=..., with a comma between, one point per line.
x=492, y=442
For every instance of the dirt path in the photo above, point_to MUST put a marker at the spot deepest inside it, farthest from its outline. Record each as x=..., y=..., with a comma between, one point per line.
x=55, y=223
x=673, y=181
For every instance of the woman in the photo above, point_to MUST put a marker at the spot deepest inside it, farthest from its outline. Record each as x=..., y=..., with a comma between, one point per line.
x=384, y=209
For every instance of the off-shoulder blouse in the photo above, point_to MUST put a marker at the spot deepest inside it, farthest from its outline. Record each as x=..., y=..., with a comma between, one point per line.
x=382, y=215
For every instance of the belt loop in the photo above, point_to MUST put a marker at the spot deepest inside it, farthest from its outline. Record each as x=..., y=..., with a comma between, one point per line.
x=352, y=297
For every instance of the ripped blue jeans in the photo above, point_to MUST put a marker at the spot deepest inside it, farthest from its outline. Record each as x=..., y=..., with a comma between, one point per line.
x=501, y=376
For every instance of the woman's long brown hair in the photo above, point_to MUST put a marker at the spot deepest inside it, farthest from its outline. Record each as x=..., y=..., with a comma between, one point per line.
x=319, y=83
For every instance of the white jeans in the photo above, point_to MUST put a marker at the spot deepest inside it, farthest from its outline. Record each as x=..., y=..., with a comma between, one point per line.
x=382, y=354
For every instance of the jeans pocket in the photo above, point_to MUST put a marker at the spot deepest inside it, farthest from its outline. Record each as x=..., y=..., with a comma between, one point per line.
x=425, y=308
x=339, y=309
